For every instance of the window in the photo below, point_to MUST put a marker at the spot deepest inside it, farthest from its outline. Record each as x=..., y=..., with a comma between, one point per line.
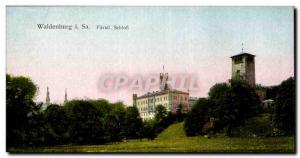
x=238, y=60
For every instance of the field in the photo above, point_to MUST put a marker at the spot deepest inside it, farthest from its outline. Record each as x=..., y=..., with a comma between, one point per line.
x=173, y=139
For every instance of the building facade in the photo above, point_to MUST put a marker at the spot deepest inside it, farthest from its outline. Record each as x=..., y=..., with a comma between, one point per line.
x=243, y=67
x=171, y=99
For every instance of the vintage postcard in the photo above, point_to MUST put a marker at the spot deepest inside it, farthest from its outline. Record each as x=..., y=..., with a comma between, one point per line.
x=145, y=79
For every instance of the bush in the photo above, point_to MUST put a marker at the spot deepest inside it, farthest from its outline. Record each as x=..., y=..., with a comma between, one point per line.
x=133, y=123
x=258, y=126
x=234, y=104
x=197, y=117
x=285, y=105
x=86, y=127
x=149, y=129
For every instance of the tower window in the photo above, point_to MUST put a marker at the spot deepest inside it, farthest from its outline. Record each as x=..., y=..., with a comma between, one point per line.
x=238, y=60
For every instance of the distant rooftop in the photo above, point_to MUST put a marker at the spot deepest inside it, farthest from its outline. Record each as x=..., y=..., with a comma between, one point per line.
x=242, y=54
x=156, y=93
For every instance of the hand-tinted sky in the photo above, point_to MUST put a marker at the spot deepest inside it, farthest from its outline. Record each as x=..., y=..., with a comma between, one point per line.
x=193, y=40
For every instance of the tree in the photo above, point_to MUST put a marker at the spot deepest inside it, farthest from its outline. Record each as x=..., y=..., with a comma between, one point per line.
x=179, y=114
x=20, y=92
x=86, y=126
x=285, y=105
x=218, y=91
x=149, y=129
x=115, y=122
x=170, y=119
x=197, y=117
x=56, y=123
x=234, y=104
x=160, y=113
x=133, y=123
x=161, y=119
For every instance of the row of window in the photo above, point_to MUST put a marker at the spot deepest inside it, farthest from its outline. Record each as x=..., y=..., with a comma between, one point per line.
x=159, y=99
x=151, y=108
x=181, y=98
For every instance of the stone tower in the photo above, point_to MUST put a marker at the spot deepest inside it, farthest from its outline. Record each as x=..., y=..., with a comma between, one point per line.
x=163, y=80
x=134, y=97
x=66, y=96
x=243, y=67
x=48, y=97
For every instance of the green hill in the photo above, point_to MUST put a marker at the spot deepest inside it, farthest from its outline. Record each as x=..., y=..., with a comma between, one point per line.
x=174, y=131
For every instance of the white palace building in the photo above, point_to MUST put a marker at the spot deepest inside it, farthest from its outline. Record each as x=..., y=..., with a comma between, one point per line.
x=171, y=99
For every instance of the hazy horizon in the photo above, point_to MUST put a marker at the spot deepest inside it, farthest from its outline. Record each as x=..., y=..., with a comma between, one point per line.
x=191, y=40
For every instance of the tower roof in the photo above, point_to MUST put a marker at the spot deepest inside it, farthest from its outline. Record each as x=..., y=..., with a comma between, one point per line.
x=243, y=54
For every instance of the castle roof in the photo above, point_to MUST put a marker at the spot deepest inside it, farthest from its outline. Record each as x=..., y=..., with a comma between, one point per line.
x=157, y=93
x=243, y=54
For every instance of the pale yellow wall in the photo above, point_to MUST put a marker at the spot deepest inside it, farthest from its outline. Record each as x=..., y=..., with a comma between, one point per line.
x=164, y=100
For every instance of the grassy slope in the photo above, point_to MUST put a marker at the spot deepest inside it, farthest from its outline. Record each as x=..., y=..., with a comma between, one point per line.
x=173, y=139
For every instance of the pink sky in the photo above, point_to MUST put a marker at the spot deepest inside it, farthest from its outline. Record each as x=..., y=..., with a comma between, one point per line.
x=190, y=40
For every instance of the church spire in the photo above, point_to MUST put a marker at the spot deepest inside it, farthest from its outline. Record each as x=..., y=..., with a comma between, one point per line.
x=66, y=96
x=48, y=97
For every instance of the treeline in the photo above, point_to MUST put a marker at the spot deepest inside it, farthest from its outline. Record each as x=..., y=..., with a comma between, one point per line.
x=234, y=109
x=75, y=122
x=85, y=122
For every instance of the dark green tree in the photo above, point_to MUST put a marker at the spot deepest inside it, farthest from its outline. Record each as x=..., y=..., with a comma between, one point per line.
x=197, y=117
x=218, y=91
x=133, y=123
x=179, y=114
x=149, y=129
x=115, y=122
x=285, y=107
x=234, y=104
x=20, y=92
x=160, y=113
x=85, y=122
x=56, y=124
x=160, y=118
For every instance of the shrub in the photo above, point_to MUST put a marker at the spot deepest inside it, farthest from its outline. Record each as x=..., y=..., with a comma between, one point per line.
x=258, y=126
x=198, y=117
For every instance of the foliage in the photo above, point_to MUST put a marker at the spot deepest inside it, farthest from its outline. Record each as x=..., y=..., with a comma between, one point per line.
x=160, y=113
x=20, y=92
x=197, y=117
x=149, y=129
x=162, y=119
x=174, y=140
x=238, y=103
x=258, y=126
x=115, y=122
x=56, y=122
x=285, y=105
x=179, y=114
x=133, y=123
x=85, y=125
x=226, y=108
x=74, y=122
